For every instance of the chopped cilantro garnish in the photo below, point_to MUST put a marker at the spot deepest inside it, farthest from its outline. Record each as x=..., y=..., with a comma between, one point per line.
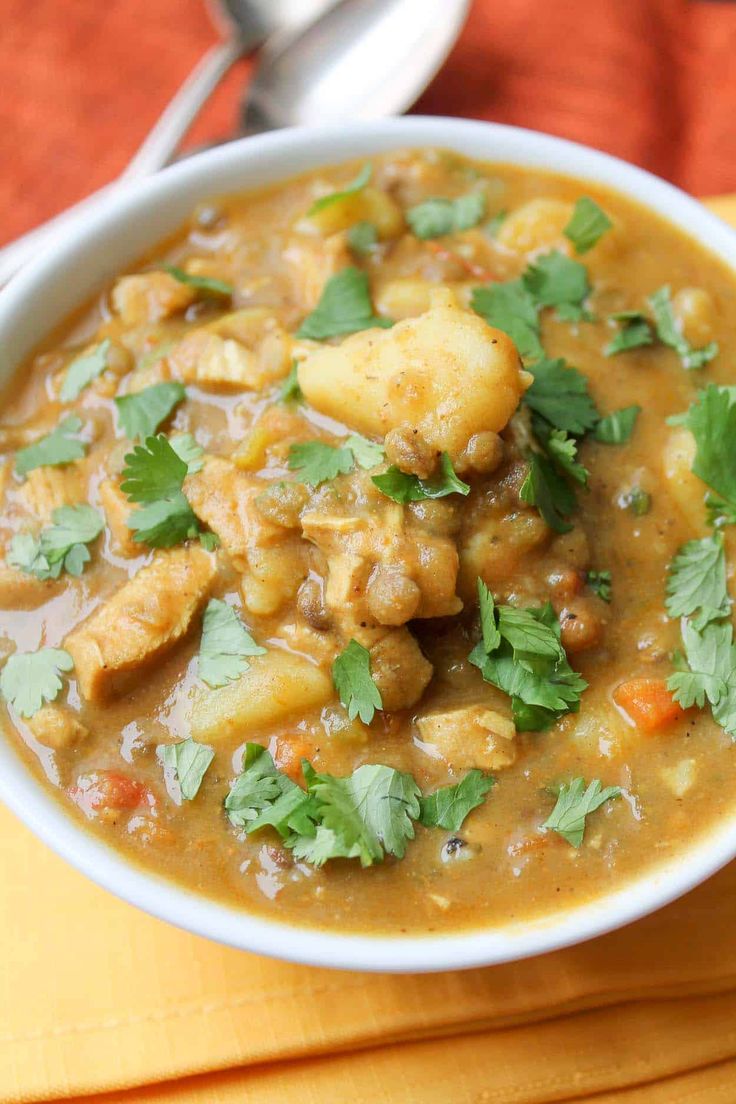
x=30, y=679
x=187, y=449
x=362, y=238
x=449, y=806
x=141, y=413
x=350, y=189
x=351, y=674
x=526, y=661
x=696, y=583
x=436, y=217
x=206, y=284
x=188, y=762
x=553, y=280
x=83, y=370
x=290, y=391
x=344, y=308
x=61, y=446
x=511, y=307
x=616, y=428
x=561, y=448
x=709, y=672
x=60, y=547
x=367, y=453
x=403, y=487
x=548, y=491
x=670, y=334
x=225, y=646
x=154, y=475
x=560, y=394
x=635, y=331
x=317, y=462
x=600, y=583
x=587, y=225
x=261, y=796
x=712, y=421
x=574, y=804
x=494, y=224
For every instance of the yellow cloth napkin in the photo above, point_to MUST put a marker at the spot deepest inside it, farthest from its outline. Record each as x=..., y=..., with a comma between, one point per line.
x=100, y=1001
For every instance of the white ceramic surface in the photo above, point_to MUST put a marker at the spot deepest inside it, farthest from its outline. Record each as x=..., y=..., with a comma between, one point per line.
x=93, y=252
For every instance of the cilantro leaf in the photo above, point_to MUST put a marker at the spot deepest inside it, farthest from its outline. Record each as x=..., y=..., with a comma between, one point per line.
x=187, y=449
x=188, y=762
x=350, y=189
x=696, y=582
x=510, y=307
x=290, y=391
x=527, y=661
x=344, y=308
x=61, y=446
x=83, y=370
x=351, y=674
x=262, y=796
x=439, y=216
x=554, y=280
x=587, y=225
x=489, y=629
x=574, y=804
x=225, y=644
x=560, y=395
x=561, y=448
x=368, y=454
x=141, y=413
x=206, y=284
x=670, y=334
x=544, y=488
x=616, y=428
x=30, y=679
x=153, y=471
x=61, y=546
x=362, y=238
x=165, y=522
x=317, y=462
x=403, y=487
x=449, y=806
x=712, y=422
x=635, y=331
x=600, y=583
x=710, y=671
x=370, y=811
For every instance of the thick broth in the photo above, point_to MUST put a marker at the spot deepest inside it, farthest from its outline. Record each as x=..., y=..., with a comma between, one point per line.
x=514, y=869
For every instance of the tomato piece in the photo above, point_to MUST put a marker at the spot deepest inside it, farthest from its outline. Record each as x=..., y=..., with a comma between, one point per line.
x=102, y=791
x=648, y=703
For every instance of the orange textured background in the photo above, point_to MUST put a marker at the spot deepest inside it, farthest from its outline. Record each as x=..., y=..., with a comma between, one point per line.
x=653, y=81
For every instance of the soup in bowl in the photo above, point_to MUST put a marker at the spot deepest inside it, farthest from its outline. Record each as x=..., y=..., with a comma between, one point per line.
x=366, y=546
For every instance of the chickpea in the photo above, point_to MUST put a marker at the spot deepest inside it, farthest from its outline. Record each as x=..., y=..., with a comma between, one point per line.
x=282, y=503
x=311, y=603
x=407, y=449
x=482, y=454
x=438, y=517
x=581, y=625
x=399, y=670
x=393, y=598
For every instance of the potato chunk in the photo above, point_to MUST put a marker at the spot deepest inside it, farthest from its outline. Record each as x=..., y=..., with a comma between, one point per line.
x=275, y=686
x=446, y=373
x=141, y=622
x=537, y=224
x=473, y=736
x=685, y=487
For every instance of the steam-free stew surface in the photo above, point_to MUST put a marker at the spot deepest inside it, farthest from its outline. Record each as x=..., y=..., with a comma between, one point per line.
x=310, y=554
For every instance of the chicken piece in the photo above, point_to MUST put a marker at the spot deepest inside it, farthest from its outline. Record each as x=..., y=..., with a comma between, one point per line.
x=399, y=670
x=311, y=262
x=446, y=374
x=20, y=591
x=141, y=622
x=150, y=297
x=47, y=488
x=56, y=727
x=473, y=736
x=269, y=557
x=275, y=686
x=117, y=511
x=382, y=568
x=211, y=361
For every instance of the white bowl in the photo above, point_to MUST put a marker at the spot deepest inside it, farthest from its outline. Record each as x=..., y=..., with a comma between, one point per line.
x=140, y=214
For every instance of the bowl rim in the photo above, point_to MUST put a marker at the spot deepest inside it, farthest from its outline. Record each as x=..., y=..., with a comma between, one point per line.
x=85, y=247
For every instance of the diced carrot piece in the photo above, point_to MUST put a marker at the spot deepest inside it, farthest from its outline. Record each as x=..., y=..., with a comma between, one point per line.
x=289, y=755
x=104, y=791
x=648, y=703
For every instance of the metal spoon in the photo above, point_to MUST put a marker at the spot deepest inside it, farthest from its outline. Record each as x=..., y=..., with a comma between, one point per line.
x=360, y=59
